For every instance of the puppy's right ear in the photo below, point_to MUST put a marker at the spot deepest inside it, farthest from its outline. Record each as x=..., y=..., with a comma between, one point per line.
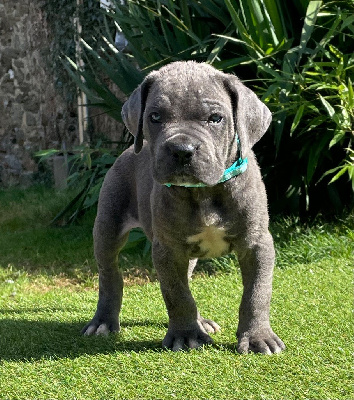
x=133, y=112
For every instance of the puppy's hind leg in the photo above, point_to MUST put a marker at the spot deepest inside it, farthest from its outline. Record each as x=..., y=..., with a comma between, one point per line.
x=208, y=325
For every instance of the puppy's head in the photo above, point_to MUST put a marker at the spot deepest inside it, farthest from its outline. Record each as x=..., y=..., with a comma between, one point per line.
x=189, y=113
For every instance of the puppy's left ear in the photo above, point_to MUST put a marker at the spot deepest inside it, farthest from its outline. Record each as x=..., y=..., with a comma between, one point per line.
x=252, y=117
x=133, y=112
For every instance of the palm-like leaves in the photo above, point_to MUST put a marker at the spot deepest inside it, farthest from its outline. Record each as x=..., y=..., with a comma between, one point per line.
x=299, y=50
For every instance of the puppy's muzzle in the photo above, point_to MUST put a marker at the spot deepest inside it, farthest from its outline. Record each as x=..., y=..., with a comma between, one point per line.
x=183, y=159
x=182, y=153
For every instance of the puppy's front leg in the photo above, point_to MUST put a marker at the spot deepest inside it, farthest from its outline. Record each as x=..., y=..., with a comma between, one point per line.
x=254, y=331
x=108, y=241
x=185, y=328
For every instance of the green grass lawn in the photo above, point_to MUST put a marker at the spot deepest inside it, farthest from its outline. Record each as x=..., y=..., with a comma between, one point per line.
x=48, y=290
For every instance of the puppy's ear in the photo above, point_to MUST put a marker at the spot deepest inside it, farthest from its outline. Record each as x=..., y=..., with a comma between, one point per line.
x=252, y=117
x=133, y=112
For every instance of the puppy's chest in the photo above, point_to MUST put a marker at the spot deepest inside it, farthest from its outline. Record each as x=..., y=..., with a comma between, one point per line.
x=210, y=237
x=210, y=241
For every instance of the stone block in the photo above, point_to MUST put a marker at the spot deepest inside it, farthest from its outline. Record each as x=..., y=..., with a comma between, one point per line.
x=9, y=177
x=17, y=114
x=25, y=88
x=8, y=55
x=31, y=105
x=26, y=179
x=19, y=76
x=21, y=98
x=19, y=63
x=19, y=136
x=8, y=86
x=28, y=163
x=30, y=119
x=60, y=166
x=12, y=162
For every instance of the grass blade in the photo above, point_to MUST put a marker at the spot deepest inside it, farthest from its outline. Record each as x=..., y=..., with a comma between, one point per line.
x=185, y=13
x=309, y=24
x=215, y=10
x=254, y=50
x=327, y=106
x=219, y=45
x=272, y=8
x=297, y=119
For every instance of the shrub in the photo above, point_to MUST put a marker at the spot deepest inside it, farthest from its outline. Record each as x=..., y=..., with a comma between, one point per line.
x=296, y=55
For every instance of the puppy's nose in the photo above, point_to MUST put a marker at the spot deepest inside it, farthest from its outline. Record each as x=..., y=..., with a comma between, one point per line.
x=182, y=153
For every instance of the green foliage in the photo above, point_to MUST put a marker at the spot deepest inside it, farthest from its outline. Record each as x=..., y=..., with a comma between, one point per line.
x=311, y=95
x=296, y=55
x=88, y=167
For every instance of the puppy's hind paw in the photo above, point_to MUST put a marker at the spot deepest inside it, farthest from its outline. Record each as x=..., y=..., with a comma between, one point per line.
x=209, y=325
x=100, y=328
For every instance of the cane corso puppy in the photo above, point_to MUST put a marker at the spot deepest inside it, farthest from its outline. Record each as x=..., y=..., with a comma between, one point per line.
x=194, y=186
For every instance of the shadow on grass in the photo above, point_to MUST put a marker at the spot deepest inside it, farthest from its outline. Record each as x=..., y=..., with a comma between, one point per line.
x=26, y=340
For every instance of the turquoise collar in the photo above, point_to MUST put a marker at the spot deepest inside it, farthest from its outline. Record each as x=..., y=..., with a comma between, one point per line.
x=237, y=168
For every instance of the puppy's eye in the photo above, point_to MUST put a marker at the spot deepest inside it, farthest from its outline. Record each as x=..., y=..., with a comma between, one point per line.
x=155, y=117
x=215, y=119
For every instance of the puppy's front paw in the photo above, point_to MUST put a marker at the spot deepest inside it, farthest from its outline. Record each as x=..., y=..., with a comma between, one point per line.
x=264, y=342
x=183, y=339
x=100, y=326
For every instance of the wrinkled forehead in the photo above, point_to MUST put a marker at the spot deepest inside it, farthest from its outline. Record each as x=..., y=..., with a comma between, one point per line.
x=188, y=91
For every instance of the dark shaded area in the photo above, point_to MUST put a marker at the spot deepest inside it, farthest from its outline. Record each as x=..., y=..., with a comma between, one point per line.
x=24, y=340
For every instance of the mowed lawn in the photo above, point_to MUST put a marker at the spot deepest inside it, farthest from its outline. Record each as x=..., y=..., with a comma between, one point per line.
x=45, y=302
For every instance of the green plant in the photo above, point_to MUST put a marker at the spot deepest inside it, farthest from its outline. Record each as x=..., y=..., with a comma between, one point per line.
x=312, y=98
x=156, y=36
x=164, y=31
x=296, y=56
x=88, y=167
x=347, y=166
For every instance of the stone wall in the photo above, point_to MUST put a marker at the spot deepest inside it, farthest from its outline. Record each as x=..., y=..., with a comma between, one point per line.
x=33, y=115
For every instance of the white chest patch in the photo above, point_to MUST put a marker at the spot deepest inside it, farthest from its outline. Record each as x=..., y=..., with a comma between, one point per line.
x=211, y=241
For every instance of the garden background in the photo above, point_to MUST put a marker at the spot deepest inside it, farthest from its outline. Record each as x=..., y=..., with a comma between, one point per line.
x=297, y=56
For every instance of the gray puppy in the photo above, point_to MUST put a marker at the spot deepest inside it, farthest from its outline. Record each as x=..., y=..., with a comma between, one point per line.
x=195, y=188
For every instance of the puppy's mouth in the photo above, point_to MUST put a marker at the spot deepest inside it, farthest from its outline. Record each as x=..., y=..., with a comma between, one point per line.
x=183, y=180
x=186, y=179
x=186, y=164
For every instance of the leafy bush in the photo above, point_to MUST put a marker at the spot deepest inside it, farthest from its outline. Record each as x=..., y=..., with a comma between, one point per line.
x=311, y=95
x=296, y=55
x=88, y=167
